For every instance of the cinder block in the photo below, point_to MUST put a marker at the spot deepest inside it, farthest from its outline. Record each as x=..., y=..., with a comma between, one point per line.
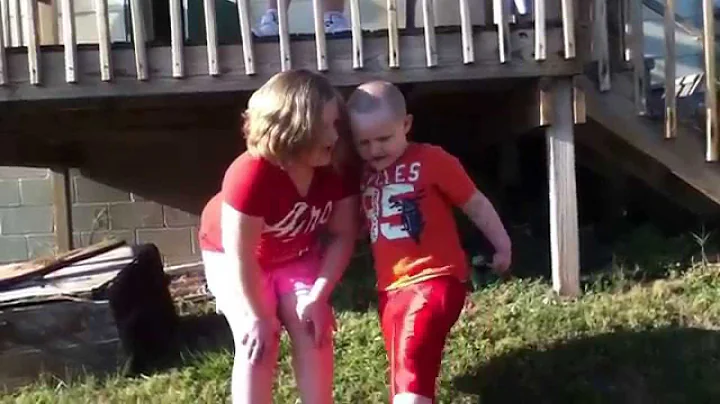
x=26, y=220
x=9, y=193
x=41, y=246
x=179, y=218
x=91, y=217
x=170, y=242
x=23, y=172
x=13, y=249
x=36, y=192
x=86, y=238
x=89, y=191
x=133, y=215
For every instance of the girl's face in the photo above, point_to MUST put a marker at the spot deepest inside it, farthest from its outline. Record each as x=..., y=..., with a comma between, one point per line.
x=321, y=153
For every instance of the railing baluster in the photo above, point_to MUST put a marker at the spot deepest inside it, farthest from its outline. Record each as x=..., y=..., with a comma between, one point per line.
x=177, y=41
x=637, y=56
x=69, y=40
x=466, y=30
x=320, y=43
x=246, y=36
x=393, y=35
x=5, y=16
x=3, y=60
x=17, y=31
x=357, y=41
x=712, y=148
x=429, y=30
x=285, y=57
x=600, y=44
x=568, y=23
x=33, y=45
x=501, y=16
x=211, y=35
x=101, y=15
x=138, y=29
x=540, y=30
x=670, y=58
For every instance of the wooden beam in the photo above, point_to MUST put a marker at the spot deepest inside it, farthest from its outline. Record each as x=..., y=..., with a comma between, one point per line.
x=341, y=73
x=564, y=238
x=393, y=35
x=429, y=30
x=211, y=38
x=177, y=38
x=139, y=41
x=601, y=44
x=637, y=56
x=533, y=107
x=540, y=30
x=33, y=43
x=466, y=27
x=62, y=209
x=320, y=40
x=104, y=55
x=286, y=62
x=3, y=59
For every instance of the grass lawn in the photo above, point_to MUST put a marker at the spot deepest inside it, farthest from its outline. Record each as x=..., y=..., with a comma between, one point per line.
x=622, y=342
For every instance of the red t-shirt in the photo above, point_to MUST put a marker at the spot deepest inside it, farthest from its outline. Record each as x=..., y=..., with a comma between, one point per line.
x=256, y=187
x=409, y=211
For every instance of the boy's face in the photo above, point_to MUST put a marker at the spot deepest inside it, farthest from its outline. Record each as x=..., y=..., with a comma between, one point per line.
x=380, y=137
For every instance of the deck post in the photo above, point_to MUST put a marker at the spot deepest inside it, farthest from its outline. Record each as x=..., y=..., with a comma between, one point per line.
x=564, y=238
x=62, y=209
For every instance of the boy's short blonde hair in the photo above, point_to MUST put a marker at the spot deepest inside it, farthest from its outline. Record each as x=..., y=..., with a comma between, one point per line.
x=284, y=116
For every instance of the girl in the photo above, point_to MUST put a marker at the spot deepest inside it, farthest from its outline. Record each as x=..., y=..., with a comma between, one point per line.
x=260, y=236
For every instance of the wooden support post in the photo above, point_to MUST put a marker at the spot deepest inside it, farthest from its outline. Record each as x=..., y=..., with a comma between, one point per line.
x=393, y=35
x=103, y=24
x=670, y=58
x=600, y=44
x=69, y=40
x=320, y=43
x=285, y=56
x=177, y=42
x=357, y=42
x=564, y=238
x=467, y=33
x=62, y=209
x=712, y=148
x=246, y=36
x=211, y=37
x=540, y=30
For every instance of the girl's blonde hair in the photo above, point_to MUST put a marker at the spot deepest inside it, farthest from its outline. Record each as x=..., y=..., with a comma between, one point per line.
x=285, y=115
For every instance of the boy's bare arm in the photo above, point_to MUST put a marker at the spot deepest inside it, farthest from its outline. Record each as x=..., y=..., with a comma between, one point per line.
x=481, y=211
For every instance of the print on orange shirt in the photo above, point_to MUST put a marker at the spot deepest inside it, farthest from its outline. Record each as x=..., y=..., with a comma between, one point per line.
x=409, y=214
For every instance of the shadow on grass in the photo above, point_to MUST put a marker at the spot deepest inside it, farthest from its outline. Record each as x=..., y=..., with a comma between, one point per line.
x=670, y=365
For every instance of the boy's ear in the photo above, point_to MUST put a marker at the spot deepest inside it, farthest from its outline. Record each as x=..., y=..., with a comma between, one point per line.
x=408, y=123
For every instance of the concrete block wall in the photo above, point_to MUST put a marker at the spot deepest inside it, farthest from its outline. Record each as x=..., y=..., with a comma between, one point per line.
x=99, y=211
x=26, y=216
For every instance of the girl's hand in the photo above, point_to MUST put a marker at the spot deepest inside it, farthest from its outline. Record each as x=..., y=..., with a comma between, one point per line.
x=318, y=316
x=260, y=334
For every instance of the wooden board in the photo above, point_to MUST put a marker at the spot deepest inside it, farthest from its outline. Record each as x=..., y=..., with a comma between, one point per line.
x=13, y=274
x=81, y=277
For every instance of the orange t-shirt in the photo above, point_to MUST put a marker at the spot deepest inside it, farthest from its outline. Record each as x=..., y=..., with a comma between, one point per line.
x=409, y=211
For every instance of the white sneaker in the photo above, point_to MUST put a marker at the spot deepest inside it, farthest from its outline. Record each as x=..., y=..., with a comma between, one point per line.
x=268, y=25
x=336, y=22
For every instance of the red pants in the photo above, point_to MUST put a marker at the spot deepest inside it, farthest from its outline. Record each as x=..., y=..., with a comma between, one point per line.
x=416, y=320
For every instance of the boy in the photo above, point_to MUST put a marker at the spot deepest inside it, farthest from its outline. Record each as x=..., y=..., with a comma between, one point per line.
x=408, y=191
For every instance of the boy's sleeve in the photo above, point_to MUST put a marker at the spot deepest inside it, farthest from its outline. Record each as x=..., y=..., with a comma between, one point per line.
x=450, y=177
x=244, y=187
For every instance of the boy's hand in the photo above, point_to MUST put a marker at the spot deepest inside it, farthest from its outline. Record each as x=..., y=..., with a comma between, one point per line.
x=501, y=262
